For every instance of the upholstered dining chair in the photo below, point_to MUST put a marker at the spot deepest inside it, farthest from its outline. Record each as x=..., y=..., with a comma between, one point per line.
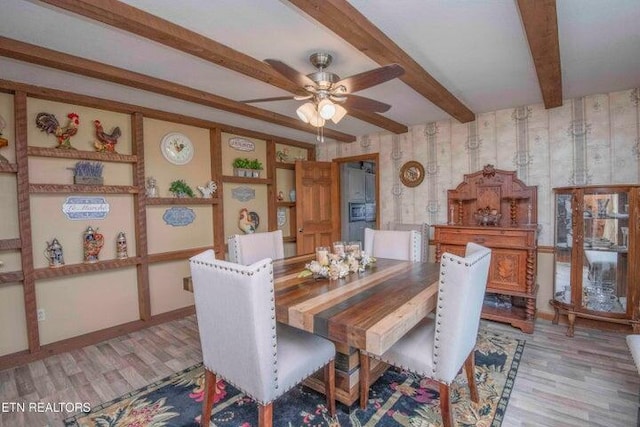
x=402, y=245
x=439, y=347
x=241, y=341
x=246, y=249
x=422, y=228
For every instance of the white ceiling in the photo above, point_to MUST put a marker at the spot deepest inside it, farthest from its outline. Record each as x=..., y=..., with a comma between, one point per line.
x=477, y=49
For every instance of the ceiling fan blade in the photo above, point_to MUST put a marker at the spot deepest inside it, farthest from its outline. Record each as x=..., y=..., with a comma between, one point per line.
x=370, y=78
x=290, y=73
x=276, y=98
x=365, y=104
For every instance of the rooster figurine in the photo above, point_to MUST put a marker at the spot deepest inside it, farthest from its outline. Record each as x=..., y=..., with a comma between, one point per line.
x=48, y=123
x=106, y=141
x=248, y=221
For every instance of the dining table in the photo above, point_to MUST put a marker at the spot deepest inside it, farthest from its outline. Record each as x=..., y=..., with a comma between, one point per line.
x=367, y=310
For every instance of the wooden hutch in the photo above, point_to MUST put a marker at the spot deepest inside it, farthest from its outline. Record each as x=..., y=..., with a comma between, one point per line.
x=494, y=208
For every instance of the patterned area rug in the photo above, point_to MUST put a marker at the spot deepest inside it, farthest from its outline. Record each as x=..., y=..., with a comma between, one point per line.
x=397, y=399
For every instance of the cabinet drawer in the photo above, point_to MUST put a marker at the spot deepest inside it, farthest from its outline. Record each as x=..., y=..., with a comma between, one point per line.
x=487, y=238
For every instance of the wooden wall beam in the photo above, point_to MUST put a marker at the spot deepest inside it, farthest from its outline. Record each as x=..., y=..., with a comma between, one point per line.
x=50, y=58
x=345, y=20
x=140, y=217
x=540, y=21
x=136, y=21
x=24, y=221
x=121, y=107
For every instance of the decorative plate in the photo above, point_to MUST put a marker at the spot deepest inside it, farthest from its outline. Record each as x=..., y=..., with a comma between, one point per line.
x=177, y=148
x=412, y=173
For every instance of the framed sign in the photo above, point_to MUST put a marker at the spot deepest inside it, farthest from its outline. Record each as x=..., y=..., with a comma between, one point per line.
x=241, y=144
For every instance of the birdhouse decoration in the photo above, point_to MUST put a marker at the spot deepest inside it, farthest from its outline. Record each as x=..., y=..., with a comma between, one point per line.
x=92, y=244
x=49, y=124
x=248, y=221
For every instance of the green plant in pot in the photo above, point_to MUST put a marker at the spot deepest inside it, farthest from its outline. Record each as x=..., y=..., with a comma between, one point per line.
x=179, y=188
x=241, y=166
x=256, y=166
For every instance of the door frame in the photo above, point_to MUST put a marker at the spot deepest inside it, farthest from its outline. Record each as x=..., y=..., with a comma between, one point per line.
x=371, y=157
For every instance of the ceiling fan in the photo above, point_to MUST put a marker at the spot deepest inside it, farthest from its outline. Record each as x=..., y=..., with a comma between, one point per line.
x=329, y=96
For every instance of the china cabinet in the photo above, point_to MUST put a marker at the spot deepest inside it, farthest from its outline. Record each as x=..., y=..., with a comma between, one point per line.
x=494, y=208
x=596, y=233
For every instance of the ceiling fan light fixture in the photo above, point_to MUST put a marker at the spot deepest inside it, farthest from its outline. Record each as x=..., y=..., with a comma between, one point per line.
x=326, y=109
x=316, y=121
x=306, y=112
x=339, y=114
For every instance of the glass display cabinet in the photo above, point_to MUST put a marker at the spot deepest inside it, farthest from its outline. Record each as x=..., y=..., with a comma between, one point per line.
x=596, y=254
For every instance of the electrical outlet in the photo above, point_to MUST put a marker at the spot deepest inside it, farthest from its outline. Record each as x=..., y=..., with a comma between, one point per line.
x=41, y=315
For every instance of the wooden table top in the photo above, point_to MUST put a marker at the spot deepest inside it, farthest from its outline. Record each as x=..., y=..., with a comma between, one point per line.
x=369, y=311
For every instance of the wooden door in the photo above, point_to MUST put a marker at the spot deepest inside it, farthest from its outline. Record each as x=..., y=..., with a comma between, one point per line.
x=317, y=205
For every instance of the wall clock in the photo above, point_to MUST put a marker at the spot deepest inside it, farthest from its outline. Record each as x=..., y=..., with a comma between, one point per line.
x=177, y=148
x=412, y=173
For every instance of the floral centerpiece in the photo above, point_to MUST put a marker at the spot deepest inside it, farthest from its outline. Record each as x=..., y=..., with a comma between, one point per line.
x=337, y=266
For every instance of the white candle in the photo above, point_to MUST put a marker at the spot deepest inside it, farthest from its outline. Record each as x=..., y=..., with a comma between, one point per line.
x=322, y=255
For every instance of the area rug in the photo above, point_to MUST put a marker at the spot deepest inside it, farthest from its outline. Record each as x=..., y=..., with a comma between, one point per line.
x=398, y=398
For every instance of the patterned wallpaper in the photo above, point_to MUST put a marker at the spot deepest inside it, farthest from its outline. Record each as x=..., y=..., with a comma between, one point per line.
x=589, y=140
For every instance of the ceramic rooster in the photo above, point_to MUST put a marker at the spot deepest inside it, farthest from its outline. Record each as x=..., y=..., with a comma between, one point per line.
x=106, y=141
x=48, y=123
x=248, y=221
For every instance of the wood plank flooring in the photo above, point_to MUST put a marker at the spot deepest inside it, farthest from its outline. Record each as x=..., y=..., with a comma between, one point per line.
x=587, y=380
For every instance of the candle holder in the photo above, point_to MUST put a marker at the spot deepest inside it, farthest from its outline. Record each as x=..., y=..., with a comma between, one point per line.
x=354, y=248
x=338, y=248
x=322, y=255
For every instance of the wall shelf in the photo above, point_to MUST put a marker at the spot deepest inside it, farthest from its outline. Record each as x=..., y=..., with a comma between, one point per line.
x=285, y=204
x=11, y=276
x=176, y=255
x=244, y=180
x=8, y=244
x=80, y=154
x=280, y=165
x=8, y=167
x=181, y=201
x=71, y=269
x=74, y=188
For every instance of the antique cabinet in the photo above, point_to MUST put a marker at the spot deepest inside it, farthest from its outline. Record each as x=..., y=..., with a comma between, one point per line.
x=494, y=208
x=596, y=254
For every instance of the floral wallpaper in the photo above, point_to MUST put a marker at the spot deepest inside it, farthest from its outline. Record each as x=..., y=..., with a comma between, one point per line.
x=589, y=140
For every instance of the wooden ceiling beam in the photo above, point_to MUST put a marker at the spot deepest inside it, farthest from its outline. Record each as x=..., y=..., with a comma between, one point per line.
x=540, y=21
x=136, y=21
x=345, y=20
x=50, y=58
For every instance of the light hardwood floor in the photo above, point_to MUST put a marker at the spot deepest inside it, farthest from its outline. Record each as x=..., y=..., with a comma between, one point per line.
x=587, y=380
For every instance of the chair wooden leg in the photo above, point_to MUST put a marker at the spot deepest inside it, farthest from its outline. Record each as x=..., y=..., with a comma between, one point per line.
x=265, y=415
x=364, y=380
x=469, y=367
x=330, y=386
x=209, y=395
x=445, y=406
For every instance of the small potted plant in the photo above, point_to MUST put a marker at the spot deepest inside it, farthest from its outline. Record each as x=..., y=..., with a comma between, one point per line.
x=256, y=166
x=179, y=188
x=241, y=167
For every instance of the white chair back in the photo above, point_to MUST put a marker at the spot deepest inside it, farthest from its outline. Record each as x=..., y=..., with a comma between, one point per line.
x=402, y=245
x=235, y=309
x=461, y=290
x=423, y=229
x=246, y=249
